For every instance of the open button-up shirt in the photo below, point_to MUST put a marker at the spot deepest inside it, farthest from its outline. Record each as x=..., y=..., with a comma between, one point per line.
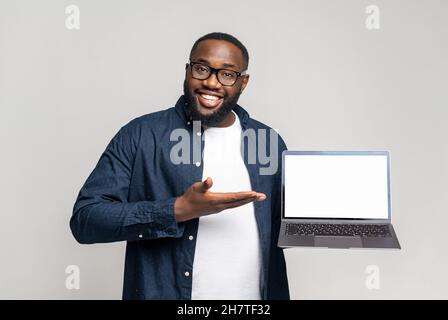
x=130, y=197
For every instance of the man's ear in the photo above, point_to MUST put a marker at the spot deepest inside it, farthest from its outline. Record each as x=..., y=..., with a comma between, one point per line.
x=186, y=70
x=245, y=82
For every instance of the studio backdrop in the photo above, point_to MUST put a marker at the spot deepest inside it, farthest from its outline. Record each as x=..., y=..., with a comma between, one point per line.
x=329, y=75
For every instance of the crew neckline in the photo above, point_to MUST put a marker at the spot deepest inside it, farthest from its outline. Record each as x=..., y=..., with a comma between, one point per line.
x=235, y=124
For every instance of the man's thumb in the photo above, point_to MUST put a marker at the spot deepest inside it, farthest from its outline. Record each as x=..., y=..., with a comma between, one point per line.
x=207, y=184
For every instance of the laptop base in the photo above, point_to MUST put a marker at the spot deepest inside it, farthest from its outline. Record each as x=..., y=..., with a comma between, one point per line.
x=337, y=242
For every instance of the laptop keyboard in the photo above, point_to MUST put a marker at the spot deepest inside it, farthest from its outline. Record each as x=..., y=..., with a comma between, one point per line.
x=319, y=229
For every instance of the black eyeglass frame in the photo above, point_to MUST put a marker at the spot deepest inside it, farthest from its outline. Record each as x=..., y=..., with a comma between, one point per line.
x=215, y=71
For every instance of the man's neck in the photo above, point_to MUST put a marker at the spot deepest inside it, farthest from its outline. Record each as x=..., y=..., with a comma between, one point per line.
x=227, y=122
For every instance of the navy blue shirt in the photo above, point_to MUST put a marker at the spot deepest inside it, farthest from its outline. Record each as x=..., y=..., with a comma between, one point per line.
x=130, y=197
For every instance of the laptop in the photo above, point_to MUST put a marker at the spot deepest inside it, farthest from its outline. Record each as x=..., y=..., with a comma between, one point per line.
x=336, y=199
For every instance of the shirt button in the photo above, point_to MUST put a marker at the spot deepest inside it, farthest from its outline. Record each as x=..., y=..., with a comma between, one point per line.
x=198, y=164
x=140, y=236
x=199, y=133
x=188, y=122
x=190, y=238
x=187, y=274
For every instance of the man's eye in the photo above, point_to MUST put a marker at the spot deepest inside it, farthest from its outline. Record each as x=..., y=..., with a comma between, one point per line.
x=228, y=74
x=201, y=68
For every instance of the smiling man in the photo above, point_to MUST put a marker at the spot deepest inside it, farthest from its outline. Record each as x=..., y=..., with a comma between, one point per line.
x=211, y=99
x=196, y=230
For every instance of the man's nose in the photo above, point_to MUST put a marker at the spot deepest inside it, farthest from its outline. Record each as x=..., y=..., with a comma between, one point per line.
x=212, y=81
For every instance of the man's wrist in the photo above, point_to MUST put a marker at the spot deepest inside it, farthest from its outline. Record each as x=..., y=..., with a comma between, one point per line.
x=179, y=211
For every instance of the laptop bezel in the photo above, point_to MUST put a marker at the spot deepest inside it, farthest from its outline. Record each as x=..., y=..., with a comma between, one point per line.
x=335, y=220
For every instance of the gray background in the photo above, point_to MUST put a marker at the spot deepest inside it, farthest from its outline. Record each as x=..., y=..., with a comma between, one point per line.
x=317, y=74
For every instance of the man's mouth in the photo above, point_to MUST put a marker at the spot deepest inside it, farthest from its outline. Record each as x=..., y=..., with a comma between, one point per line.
x=209, y=100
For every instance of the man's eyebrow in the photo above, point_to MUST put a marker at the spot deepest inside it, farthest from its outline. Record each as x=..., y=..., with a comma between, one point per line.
x=224, y=65
x=228, y=65
x=202, y=60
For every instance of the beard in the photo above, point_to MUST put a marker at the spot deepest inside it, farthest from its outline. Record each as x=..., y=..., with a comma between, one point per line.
x=217, y=116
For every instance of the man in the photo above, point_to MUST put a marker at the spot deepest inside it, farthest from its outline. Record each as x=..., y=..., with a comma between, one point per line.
x=191, y=232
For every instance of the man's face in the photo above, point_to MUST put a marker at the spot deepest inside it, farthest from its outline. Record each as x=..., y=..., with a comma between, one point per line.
x=208, y=100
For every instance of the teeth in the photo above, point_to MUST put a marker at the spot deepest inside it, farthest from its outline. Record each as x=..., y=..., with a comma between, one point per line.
x=208, y=97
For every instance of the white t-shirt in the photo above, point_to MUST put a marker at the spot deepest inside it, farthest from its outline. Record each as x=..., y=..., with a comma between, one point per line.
x=227, y=261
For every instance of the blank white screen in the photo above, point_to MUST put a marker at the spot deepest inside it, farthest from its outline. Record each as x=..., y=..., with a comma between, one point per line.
x=336, y=186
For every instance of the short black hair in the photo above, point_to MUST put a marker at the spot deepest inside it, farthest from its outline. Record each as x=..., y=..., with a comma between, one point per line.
x=226, y=37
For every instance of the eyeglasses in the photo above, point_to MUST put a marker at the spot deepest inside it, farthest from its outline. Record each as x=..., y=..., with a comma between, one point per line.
x=226, y=77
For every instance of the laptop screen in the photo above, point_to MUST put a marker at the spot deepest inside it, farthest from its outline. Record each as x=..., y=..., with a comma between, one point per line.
x=336, y=186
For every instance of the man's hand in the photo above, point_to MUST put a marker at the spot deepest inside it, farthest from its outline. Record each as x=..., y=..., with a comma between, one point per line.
x=198, y=200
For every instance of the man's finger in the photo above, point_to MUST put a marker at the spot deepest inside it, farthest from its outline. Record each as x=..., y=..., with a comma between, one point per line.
x=203, y=186
x=208, y=183
x=261, y=197
x=229, y=197
x=258, y=197
x=235, y=204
